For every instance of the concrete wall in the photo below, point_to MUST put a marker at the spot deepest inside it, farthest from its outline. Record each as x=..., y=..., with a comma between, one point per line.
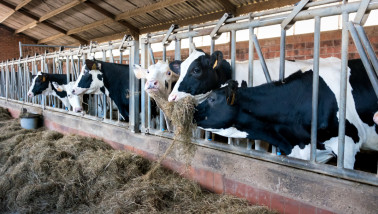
x=282, y=188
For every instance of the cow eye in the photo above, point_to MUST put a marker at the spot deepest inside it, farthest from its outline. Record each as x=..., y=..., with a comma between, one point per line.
x=148, y=71
x=169, y=73
x=211, y=99
x=196, y=70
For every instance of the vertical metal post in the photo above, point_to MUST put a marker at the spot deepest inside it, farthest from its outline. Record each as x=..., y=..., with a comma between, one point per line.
x=68, y=75
x=161, y=118
x=177, y=49
x=134, y=88
x=315, y=90
x=120, y=61
x=282, y=54
x=104, y=95
x=233, y=61
x=212, y=45
x=20, y=48
x=110, y=100
x=190, y=40
x=7, y=81
x=144, y=96
x=343, y=88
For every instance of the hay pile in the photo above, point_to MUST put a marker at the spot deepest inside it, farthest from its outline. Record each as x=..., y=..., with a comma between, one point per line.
x=46, y=172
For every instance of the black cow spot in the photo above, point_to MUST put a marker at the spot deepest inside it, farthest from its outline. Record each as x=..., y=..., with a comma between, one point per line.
x=99, y=76
x=85, y=81
x=102, y=89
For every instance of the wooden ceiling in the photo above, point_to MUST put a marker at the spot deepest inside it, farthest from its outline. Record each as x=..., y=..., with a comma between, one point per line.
x=68, y=22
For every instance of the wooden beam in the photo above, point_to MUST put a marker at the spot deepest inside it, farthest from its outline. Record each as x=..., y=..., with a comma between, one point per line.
x=25, y=27
x=134, y=31
x=60, y=10
x=36, y=20
x=110, y=37
x=7, y=15
x=147, y=8
x=90, y=26
x=228, y=6
x=12, y=11
x=22, y=4
x=57, y=36
x=263, y=5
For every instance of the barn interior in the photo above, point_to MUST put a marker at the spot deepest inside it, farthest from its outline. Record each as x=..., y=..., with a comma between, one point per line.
x=57, y=37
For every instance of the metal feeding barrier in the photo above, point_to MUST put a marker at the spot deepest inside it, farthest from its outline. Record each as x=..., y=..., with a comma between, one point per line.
x=304, y=10
x=16, y=74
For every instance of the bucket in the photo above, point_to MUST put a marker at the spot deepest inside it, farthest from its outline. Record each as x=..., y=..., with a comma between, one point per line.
x=29, y=121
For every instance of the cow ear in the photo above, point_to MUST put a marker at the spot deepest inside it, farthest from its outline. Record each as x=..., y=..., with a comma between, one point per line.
x=44, y=77
x=89, y=64
x=175, y=66
x=139, y=71
x=230, y=90
x=57, y=86
x=216, y=59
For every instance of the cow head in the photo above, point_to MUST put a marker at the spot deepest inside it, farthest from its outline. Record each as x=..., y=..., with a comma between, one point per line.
x=74, y=100
x=160, y=77
x=90, y=80
x=219, y=109
x=40, y=84
x=199, y=74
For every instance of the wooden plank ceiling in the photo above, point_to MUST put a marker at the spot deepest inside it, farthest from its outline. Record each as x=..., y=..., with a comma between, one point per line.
x=68, y=22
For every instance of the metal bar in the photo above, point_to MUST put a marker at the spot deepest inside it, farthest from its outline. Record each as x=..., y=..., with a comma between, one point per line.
x=144, y=97
x=169, y=32
x=361, y=11
x=261, y=57
x=20, y=48
x=190, y=28
x=110, y=100
x=177, y=49
x=7, y=82
x=104, y=98
x=218, y=25
x=286, y=24
x=282, y=54
x=233, y=64
x=134, y=89
x=212, y=46
x=120, y=61
x=367, y=45
x=343, y=88
x=152, y=53
x=369, y=69
x=49, y=46
x=68, y=74
x=315, y=90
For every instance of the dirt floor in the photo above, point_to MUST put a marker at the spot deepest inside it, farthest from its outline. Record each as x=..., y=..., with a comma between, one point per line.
x=43, y=171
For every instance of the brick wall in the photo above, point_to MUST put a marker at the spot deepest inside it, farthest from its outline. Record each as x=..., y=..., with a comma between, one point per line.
x=9, y=45
x=297, y=47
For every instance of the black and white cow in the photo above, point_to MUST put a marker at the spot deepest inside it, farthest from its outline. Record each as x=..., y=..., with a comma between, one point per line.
x=42, y=83
x=112, y=79
x=280, y=113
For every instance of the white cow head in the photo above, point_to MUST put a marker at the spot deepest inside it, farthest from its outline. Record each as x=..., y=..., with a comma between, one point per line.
x=160, y=77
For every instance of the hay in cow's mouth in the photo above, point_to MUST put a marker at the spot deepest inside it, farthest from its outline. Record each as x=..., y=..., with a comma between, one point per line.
x=44, y=171
x=181, y=114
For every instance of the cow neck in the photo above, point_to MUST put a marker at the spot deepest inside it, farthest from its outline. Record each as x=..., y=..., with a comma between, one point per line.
x=61, y=79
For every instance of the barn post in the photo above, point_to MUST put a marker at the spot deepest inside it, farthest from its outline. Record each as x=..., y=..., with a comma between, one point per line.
x=144, y=96
x=343, y=88
x=68, y=75
x=250, y=73
x=104, y=97
x=134, y=87
x=7, y=81
x=315, y=90
x=110, y=100
x=152, y=60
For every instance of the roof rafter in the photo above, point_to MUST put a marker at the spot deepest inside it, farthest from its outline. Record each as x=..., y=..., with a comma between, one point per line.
x=147, y=8
x=36, y=19
x=12, y=11
x=259, y=6
x=53, y=13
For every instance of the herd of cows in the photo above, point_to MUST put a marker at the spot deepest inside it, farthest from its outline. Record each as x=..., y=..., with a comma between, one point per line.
x=278, y=112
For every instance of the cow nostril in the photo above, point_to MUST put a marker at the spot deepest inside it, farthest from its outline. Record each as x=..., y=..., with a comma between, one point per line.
x=155, y=83
x=73, y=91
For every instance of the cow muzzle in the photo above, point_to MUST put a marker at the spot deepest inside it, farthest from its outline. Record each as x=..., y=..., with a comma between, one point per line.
x=152, y=85
x=78, y=109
